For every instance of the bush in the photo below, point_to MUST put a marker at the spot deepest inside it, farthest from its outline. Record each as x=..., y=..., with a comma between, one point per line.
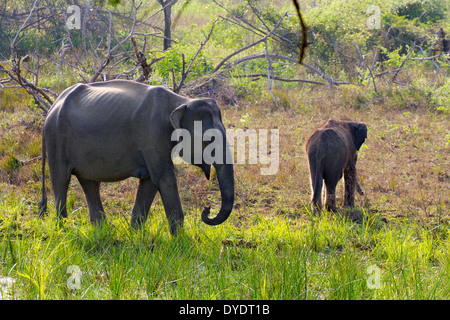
x=440, y=98
x=426, y=11
x=335, y=26
x=174, y=61
x=9, y=163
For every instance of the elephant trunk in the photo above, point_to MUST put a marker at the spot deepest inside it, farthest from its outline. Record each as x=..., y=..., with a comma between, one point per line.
x=225, y=176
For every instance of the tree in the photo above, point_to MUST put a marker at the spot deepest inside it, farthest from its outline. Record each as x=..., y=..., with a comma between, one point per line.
x=167, y=9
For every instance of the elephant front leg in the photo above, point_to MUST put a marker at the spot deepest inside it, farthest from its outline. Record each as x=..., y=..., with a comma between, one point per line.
x=171, y=201
x=91, y=190
x=144, y=198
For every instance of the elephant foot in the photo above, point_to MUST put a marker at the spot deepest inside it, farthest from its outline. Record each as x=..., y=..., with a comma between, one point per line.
x=316, y=206
x=354, y=214
x=98, y=222
x=316, y=211
x=176, y=228
x=137, y=222
x=98, y=219
x=43, y=208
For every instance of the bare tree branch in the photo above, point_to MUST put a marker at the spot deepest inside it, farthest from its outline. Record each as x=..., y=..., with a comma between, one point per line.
x=221, y=63
x=269, y=73
x=185, y=73
x=304, y=44
x=279, y=56
x=370, y=69
x=120, y=43
x=43, y=101
x=13, y=42
x=402, y=63
x=264, y=75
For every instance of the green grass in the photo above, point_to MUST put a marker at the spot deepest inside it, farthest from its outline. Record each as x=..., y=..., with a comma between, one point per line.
x=248, y=257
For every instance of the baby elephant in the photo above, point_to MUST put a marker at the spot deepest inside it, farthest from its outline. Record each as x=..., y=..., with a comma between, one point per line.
x=331, y=150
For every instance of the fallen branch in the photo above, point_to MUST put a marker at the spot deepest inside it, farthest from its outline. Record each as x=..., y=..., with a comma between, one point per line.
x=43, y=101
x=27, y=162
x=263, y=75
x=259, y=75
x=278, y=56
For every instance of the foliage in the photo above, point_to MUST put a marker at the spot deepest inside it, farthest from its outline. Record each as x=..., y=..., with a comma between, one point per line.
x=335, y=27
x=46, y=32
x=440, y=98
x=9, y=163
x=173, y=62
x=426, y=11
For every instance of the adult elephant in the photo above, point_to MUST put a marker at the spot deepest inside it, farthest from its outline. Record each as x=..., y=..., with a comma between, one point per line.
x=332, y=150
x=112, y=130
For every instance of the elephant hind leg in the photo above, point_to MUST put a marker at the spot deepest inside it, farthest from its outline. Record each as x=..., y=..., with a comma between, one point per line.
x=60, y=176
x=91, y=190
x=332, y=175
x=144, y=198
x=331, y=195
x=316, y=185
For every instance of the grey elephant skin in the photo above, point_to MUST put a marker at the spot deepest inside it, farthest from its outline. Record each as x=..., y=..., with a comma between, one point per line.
x=112, y=130
x=332, y=151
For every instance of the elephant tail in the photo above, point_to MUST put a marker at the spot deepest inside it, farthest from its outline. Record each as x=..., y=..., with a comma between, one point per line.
x=43, y=202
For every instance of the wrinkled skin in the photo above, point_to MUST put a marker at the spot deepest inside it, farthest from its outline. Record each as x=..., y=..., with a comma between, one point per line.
x=332, y=151
x=109, y=131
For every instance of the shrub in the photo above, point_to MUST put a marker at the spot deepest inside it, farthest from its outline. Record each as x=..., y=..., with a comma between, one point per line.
x=9, y=163
x=423, y=10
x=174, y=61
x=440, y=98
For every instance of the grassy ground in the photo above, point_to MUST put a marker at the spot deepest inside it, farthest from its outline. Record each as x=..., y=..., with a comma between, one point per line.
x=393, y=245
x=251, y=258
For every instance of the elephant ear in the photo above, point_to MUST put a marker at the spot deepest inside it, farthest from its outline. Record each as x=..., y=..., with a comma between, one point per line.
x=359, y=134
x=177, y=115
